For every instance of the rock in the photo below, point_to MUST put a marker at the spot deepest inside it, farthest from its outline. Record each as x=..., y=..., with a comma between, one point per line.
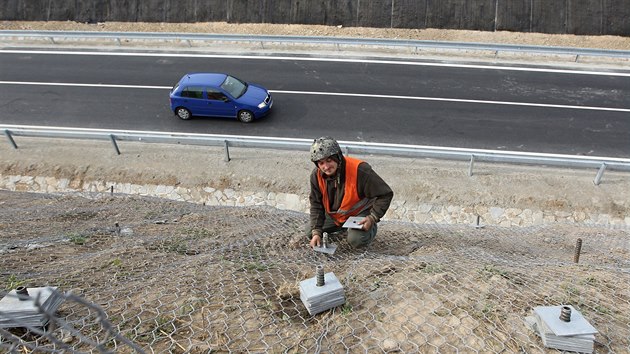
x=390, y=346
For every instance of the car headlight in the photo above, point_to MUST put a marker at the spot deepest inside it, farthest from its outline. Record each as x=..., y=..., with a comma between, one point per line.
x=262, y=105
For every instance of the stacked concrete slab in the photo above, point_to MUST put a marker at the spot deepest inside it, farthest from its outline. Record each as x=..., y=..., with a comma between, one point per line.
x=564, y=328
x=29, y=307
x=321, y=292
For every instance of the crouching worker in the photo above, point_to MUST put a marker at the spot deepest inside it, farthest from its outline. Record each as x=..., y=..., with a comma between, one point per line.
x=342, y=187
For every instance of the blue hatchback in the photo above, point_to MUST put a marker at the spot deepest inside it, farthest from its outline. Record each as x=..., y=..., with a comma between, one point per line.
x=219, y=95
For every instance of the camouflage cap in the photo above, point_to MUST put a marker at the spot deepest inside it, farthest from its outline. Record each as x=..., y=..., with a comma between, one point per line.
x=324, y=147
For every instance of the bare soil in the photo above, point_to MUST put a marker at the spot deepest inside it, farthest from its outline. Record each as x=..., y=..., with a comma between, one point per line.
x=175, y=277
x=501, y=37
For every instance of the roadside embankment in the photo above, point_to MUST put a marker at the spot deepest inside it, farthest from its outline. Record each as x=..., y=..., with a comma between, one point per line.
x=427, y=191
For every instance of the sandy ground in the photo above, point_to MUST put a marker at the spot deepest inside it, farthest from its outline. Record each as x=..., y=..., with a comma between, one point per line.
x=503, y=37
x=175, y=277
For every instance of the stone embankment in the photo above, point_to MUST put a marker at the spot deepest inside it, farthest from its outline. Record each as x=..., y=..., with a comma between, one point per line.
x=422, y=213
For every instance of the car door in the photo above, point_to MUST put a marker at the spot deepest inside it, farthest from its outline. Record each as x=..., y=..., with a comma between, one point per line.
x=220, y=104
x=192, y=97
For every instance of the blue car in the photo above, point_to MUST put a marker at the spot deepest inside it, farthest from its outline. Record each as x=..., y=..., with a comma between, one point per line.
x=219, y=95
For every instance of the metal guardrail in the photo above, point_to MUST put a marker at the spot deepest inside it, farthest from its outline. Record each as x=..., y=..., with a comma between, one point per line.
x=339, y=42
x=400, y=150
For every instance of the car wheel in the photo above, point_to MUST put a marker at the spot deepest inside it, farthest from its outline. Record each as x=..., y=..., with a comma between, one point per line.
x=245, y=116
x=183, y=113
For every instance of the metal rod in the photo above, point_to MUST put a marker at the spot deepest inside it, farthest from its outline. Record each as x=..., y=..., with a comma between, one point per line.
x=470, y=167
x=325, y=240
x=227, y=151
x=578, y=249
x=565, y=314
x=22, y=293
x=113, y=139
x=320, y=275
x=600, y=173
x=478, y=222
x=7, y=132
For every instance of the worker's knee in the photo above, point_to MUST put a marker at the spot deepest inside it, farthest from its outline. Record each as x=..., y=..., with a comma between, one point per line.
x=360, y=238
x=356, y=241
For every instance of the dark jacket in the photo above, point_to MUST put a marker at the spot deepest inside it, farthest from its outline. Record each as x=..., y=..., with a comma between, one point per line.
x=369, y=185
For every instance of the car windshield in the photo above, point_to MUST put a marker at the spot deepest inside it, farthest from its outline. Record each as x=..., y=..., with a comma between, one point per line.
x=235, y=87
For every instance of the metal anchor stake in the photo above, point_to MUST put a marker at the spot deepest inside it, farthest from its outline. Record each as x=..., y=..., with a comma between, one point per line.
x=326, y=247
x=320, y=275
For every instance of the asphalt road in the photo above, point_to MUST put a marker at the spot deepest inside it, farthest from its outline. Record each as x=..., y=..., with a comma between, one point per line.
x=406, y=102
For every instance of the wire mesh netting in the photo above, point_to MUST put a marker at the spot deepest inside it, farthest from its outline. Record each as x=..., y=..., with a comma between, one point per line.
x=148, y=275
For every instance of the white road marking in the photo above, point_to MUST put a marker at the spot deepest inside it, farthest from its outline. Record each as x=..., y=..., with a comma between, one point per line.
x=337, y=60
x=417, y=98
x=507, y=103
x=69, y=84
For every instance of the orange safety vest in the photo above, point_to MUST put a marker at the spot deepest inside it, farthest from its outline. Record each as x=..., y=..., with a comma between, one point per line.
x=351, y=204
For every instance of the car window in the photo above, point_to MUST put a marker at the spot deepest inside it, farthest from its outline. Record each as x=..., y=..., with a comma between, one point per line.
x=216, y=95
x=193, y=92
x=234, y=86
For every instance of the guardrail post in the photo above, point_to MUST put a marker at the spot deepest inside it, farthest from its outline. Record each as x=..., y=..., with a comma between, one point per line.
x=113, y=139
x=470, y=167
x=600, y=173
x=227, y=151
x=7, y=132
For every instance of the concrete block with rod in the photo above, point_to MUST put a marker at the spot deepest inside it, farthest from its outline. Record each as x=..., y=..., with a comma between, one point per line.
x=322, y=292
